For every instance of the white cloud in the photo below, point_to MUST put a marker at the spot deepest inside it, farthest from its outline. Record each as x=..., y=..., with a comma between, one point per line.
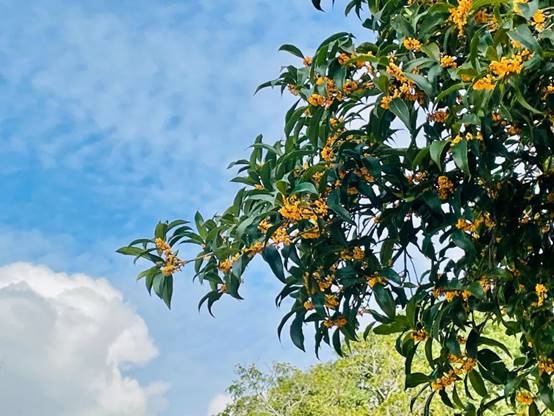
x=218, y=404
x=65, y=343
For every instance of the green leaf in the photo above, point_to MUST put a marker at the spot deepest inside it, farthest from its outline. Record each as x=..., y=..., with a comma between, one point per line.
x=432, y=50
x=459, y=154
x=161, y=230
x=453, y=88
x=422, y=83
x=130, y=251
x=547, y=396
x=149, y=281
x=436, y=150
x=317, y=4
x=385, y=300
x=305, y=187
x=494, y=343
x=523, y=102
x=159, y=284
x=296, y=332
x=167, y=291
x=478, y=383
x=333, y=202
x=415, y=379
x=477, y=4
x=523, y=34
x=273, y=258
x=392, y=328
x=386, y=251
x=401, y=110
x=464, y=242
x=292, y=49
x=472, y=344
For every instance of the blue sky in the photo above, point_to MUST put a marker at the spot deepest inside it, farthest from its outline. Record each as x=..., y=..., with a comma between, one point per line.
x=114, y=115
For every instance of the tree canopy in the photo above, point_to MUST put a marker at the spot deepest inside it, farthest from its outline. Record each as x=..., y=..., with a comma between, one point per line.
x=367, y=381
x=433, y=137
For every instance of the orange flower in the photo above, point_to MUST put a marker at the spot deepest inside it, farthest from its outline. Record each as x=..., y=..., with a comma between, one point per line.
x=448, y=61
x=316, y=100
x=460, y=14
x=327, y=154
x=343, y=58
x=485, y=83
x=412, y=44
x=538, y=20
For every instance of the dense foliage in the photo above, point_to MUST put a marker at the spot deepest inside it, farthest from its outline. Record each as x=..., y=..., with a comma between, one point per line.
x=434, y=140
x=367, y=381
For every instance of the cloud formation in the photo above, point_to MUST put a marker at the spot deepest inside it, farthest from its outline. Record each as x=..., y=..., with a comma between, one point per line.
x=66, y=342
x=218, y=404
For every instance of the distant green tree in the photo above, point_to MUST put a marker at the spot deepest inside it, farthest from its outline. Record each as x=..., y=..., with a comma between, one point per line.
x=369, y=380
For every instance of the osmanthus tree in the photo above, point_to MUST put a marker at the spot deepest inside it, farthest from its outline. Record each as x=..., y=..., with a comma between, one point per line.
x=435, y=138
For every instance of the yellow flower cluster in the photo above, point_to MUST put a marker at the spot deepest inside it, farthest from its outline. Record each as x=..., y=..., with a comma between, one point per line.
x=227, y=264
x=460, y=14
x=327, y=153
x=385, y=102
x=375, y=279
x=485, y=284
x=308, y=305
x=465, y=365
x=445, y=187
x=364, y=173
x=358, y=253
x=308, y=60
x=316, y=100
x=549, y=89
x=437, y=292
x=481, y=16
x=335, y=122
x=322, y=283
x=311, y=234
x=350, y=86
x=448, y=61
x=172, y=263
x=473, y=227
x=419, y=335
x=485, y=83
x=405, y=88
x=439, y=116
x=450, y=295
x=281, y=235
x=295, y=209
x=331, y=301
x=162, y=245
x=468, y=136
x=507, y=66
x=538, y=20
x=546, y=365
x=343, y=58
x=525, y=398
x=412, y=44
x=542, y=293
x=291, y=209
x=339, y=322
x=264, y=225
x=254, y=249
